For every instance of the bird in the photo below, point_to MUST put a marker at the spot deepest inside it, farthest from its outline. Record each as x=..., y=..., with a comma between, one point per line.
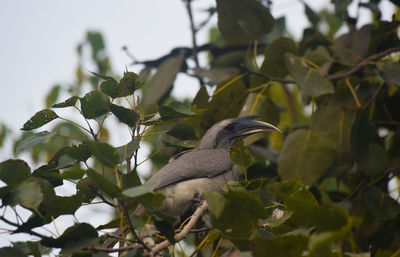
x=206, y=168
x=189, y=174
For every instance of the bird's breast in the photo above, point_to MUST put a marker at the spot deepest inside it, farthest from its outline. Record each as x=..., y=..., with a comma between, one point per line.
x=179, y=197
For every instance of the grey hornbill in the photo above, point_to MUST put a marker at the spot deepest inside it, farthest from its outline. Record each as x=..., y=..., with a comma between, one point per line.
x=206, y=168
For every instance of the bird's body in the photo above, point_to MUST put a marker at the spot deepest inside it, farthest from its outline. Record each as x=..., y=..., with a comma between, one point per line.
x=191, y=174
x=206, y=168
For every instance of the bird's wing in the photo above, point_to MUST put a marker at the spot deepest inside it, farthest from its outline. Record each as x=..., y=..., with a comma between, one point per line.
x=198, y=163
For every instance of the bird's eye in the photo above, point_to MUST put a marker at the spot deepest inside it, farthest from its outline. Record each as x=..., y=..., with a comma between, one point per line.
x=230, y=127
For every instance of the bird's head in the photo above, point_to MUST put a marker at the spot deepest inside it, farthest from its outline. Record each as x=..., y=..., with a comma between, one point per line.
x=224, y=133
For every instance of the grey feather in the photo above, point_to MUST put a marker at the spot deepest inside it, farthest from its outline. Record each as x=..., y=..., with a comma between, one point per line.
x=197, y=163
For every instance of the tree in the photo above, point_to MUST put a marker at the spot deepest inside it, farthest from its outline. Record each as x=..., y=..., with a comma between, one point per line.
x=320, y=188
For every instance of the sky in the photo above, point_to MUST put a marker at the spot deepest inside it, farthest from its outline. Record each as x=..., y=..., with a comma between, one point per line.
x=38, y=42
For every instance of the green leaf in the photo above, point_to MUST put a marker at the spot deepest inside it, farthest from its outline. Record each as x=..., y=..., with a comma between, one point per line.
x=362, y=134
x=243, y=21
x=280, y=246
x=274, y=57
x=94, y=104
x=28, y=194
x=11, y=252
x=182, y=131
x=216, y=203
x=161, y=82
x=337, y=121
x=310, y=81
x=380, y=204
x=80, y=233
x=52, y=97
x=126, y=151
x=32, y=140
x=391, y=72
x=103, y=183
x=124, y=115
x=312, y=16
x=327, y=238
x=14, y=172
x=67, y=103
x=147, y=187
x=374, y=161
x=299, y=200
x=246, y=207
x=129, y=83
x=110, y=87
x=174, y=110
x=105, y=153
x=240, y=155
x=306, y=155
x=73, y=173
x=39, y=119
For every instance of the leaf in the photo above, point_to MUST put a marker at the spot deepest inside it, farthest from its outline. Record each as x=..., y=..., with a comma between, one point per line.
x=380, y=204
x=216, y=203
x=73, y=173
x=312, y=16
x=338, y=122
x=310, y=81
x=126, y=151
x=362, y=134
x=124, y=115
x=327, y=238
x=299, y=200
x=103, y=183
x=243, y=21
x=182, y=131
x=274, y=57
x=76, y=234
x=33, y=140
x=11, y=252
x=161, y=82
x=14, y=172
x=280, y=246
x=374, y=161
x=391, y=72
x=306, y=155
x=105, y=153
x=147, y=187
x=39, y=119
x=246, y=207
x=28, y=194
x=94, y=104
x=129, y=83
x=240, y=155
x=67, y=103
x=52, y=97
x=174, y=110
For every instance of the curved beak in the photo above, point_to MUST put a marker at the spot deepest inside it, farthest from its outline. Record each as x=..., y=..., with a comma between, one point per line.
x=246, y=127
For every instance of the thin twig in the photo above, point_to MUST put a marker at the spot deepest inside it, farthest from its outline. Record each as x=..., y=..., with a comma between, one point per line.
x=263, y=75
x=363, y=63
x=188, y=5
x=112, y=250
x=195, y=217
x=130, y=225
x=31, y=232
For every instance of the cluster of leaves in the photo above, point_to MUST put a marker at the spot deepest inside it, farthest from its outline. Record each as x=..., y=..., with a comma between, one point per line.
x=320, y=188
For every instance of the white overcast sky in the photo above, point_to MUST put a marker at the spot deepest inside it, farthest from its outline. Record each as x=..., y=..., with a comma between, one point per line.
x=38, y=41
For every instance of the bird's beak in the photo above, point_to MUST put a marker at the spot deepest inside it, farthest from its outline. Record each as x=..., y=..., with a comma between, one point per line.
x=249, y=127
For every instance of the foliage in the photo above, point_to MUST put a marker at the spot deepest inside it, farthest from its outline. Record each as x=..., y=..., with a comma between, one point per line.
x=320, y=188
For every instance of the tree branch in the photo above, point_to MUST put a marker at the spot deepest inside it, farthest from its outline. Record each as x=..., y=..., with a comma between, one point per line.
x=363, y=63
x=195, y=217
